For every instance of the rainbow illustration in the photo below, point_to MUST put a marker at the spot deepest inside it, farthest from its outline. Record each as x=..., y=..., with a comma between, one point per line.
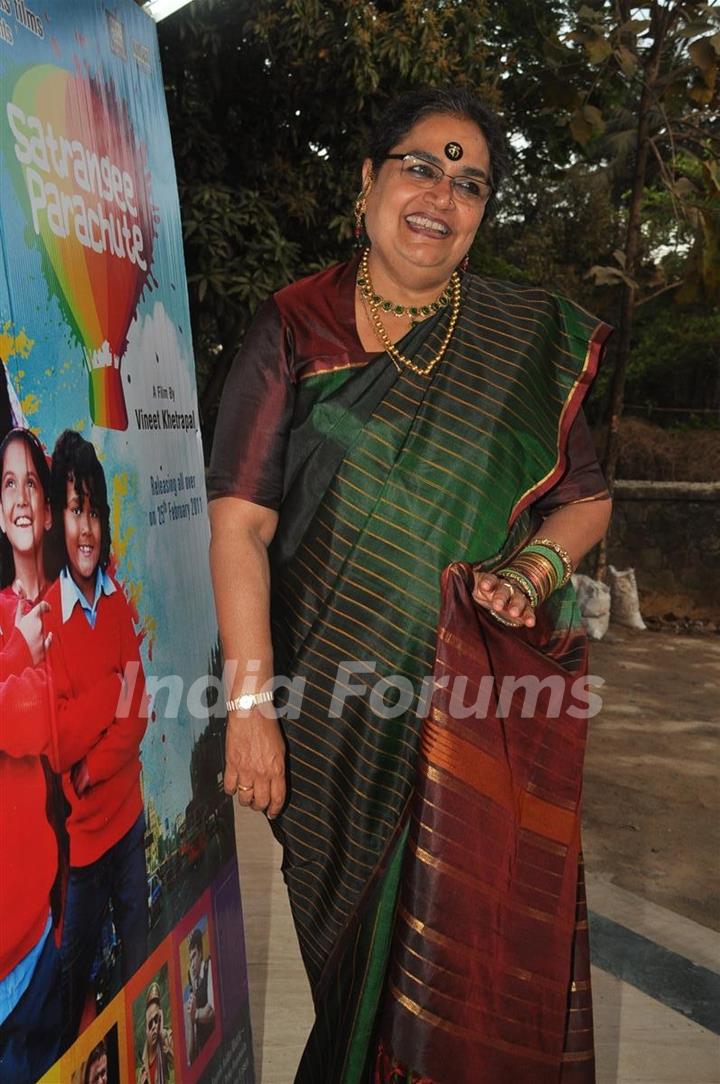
x=84, y=185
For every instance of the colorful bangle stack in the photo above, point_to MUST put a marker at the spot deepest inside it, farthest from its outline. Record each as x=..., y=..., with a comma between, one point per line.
x=555, y=553
x=539, y=569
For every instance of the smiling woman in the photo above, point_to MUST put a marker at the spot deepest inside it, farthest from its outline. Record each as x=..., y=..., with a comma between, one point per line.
x=393, y=435
x=419, y=231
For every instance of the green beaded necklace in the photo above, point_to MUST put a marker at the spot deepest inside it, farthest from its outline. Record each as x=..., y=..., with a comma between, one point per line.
x=415, y=312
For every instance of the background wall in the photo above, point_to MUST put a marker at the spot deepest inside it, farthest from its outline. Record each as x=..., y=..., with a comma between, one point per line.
x=669, y=532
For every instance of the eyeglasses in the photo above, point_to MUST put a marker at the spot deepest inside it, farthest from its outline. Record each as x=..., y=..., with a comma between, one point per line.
x=427, y=174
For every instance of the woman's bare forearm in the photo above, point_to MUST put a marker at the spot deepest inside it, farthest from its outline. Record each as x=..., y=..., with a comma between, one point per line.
x=578, y=527
x=241, y=533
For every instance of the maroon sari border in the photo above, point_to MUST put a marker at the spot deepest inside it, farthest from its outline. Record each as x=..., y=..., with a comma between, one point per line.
x=569, y=413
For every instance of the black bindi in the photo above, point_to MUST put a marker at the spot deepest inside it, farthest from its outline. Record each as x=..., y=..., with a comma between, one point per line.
x=453, y=151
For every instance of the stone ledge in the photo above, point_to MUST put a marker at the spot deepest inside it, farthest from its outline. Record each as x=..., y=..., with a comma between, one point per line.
x=666, y=491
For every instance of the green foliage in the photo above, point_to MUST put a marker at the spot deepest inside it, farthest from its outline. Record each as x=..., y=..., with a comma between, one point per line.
x=237, y=255
x=566, y=222
x=674, y=359
x=271, y=102
x=270, y=105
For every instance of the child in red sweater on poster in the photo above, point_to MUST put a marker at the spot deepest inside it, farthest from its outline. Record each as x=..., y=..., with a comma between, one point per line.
x=29, y=961
x=93, y=639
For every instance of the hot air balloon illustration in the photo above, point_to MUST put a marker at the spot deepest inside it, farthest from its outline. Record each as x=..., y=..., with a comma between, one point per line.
x=85, y=187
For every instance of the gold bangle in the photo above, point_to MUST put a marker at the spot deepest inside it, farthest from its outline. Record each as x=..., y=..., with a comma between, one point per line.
x=562, y=554
x=504, y=620
x=539, y=570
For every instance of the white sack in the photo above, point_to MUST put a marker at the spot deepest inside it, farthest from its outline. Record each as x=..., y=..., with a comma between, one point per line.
x=594, y=601
x=624, y=598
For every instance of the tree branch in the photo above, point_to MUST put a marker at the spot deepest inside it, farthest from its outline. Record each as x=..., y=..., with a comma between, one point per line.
x=662, y=290
x=667, y=177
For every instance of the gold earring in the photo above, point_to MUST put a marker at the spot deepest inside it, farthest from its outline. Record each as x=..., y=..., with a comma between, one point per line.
x=360, y=207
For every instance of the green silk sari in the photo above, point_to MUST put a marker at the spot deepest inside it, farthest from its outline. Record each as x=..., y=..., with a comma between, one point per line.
x=390, y=478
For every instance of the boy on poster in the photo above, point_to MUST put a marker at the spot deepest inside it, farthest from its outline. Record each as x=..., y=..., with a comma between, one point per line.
x=93, y=642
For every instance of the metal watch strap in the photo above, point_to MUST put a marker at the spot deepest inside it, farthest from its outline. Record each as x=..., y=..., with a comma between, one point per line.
x=249, y=700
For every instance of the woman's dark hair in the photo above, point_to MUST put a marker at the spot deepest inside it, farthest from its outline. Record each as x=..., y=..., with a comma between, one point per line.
x=37, y=455
x=6, y=414
x=75, y=459
x=402, y=113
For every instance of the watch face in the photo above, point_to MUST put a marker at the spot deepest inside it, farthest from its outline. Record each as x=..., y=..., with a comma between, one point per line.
x=246, y=701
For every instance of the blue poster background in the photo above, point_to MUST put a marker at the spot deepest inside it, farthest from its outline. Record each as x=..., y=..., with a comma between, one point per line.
x=95, y=336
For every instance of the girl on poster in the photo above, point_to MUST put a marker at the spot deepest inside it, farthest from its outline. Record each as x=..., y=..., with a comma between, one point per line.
x=29, y=963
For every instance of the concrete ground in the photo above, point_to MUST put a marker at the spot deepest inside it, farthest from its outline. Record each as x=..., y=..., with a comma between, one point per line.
x=652, y=773
x=652, y=826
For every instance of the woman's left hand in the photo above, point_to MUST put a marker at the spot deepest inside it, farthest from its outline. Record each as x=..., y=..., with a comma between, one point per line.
x=504, y=599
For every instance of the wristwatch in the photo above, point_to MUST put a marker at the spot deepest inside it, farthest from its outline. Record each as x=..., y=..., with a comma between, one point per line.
x=248, y=700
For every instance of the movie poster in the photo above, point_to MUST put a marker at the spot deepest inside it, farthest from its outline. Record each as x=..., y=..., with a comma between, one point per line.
x=121, y=940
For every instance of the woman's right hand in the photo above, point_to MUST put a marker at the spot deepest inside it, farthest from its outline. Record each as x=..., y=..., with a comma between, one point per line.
x=255, y=760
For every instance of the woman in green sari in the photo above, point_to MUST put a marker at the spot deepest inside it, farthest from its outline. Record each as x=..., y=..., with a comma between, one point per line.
x=401, y=482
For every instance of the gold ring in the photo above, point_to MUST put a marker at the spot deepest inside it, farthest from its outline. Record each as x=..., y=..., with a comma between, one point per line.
x=506, y=583
x=245, y=788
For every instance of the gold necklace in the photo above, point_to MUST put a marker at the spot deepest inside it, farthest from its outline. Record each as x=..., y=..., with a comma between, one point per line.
x=415, y=312
x=400, y=360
